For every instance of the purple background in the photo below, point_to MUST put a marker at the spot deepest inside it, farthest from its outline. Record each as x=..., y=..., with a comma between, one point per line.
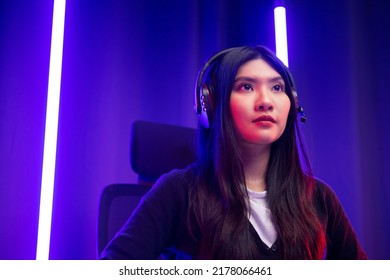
x=128, y=60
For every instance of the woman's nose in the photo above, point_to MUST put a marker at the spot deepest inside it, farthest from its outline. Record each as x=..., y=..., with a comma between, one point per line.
x=263, y=100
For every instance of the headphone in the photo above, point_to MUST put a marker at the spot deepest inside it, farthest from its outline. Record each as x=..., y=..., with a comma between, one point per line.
x=203, y=94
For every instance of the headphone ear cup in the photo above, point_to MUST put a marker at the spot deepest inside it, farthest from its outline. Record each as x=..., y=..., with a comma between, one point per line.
x=206, y=104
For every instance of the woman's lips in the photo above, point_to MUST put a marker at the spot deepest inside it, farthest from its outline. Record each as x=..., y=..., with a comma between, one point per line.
x=264, y=119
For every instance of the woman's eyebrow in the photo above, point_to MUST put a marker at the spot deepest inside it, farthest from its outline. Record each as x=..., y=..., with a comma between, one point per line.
x=254, y=79
x=276, y=79
x=245, y=79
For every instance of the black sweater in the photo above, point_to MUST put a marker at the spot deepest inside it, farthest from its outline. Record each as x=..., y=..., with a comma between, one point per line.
x=159, y=225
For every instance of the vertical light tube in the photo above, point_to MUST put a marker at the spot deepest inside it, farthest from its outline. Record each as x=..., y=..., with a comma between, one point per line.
x=281, y=32
x=50, y=145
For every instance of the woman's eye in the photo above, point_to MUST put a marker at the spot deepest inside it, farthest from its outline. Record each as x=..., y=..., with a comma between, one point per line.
x=277, y=88
x=246, y=87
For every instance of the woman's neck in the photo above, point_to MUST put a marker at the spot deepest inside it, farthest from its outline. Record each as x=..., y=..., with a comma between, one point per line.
x=255, y=160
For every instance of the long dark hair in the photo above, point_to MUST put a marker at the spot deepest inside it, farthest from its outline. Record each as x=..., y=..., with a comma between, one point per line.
x=218, y=199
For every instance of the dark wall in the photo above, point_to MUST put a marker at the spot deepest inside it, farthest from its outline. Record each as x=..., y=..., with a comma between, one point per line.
x=130, y=60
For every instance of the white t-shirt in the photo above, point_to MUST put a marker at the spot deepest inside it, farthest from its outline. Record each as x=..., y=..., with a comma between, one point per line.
x=261, y=218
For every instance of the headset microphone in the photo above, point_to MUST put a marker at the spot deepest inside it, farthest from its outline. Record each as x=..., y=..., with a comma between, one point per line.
x=303, y=117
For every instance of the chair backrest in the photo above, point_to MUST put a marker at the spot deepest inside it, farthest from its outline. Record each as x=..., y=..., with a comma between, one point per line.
x=117, y=202
x=155, y=149
x=158, y=148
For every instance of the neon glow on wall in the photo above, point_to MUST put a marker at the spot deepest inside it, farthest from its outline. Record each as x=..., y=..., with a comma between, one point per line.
x=50, y=145
x=281, y=32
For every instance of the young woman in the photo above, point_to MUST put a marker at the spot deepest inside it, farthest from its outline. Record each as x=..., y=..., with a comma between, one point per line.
x=250, y=194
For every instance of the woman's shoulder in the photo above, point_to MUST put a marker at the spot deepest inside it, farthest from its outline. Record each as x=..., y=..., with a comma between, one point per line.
x=341, y=238
x=177, y=176
x=176, y=180
x=325, y=196
x=322, y=188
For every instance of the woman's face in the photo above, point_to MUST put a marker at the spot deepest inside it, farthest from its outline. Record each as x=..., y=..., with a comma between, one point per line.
x=259, y=104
